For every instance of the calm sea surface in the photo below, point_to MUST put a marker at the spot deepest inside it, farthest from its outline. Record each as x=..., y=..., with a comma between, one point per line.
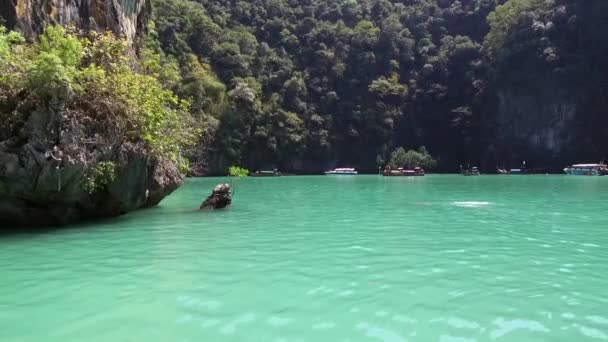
x=366, y=258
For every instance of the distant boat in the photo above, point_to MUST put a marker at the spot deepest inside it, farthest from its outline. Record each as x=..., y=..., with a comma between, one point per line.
x=342, y=172
x=522, y=170
x=474, y=171
x=401, y=172
x=512, y=171
x=267, y=173
x=518, y=171
x=587, y=170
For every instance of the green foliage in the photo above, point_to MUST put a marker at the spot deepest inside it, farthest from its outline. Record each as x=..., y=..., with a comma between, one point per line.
x=11, y=62
x=57, y=58
x=104, y=50
x=411, y=159
x=236, y=171
x=288, y=83
x=58, y=42
x=398, y=158
x=315, y=81
x=184, y=26
x=155, y=112
x=366, y=32
x=49, y=71
x=110, y=92
x=387, y=88
x=183, y=164
x=100, y=176
x=504, y=20
x=4, y=43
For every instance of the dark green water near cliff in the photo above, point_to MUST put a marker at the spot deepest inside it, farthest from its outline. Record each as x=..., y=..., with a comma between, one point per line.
x=366, y=258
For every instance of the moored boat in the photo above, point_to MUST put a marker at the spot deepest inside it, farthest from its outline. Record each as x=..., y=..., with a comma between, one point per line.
x=587, y=170
x=512, y=171
x=401, y=172
x=342, y=172
x=267, y=173
x=518, y=171
x=522, y=170
x=474, y=171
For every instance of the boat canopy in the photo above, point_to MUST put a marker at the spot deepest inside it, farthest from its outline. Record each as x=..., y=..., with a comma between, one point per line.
x=588, y=165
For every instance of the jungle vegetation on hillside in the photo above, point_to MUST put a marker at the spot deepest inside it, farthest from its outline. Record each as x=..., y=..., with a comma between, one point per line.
x=305, y=84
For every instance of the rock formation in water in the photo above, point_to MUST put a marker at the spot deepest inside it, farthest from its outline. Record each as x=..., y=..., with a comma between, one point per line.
x=44, y=171
x=36, y=192
x=63, y=160
x=126, y=18
x=220, y=197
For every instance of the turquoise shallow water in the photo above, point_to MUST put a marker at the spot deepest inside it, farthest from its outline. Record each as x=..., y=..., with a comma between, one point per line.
x=367, y=258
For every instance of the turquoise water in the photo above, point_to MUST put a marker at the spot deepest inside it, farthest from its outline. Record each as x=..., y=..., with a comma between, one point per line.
x=367, y=258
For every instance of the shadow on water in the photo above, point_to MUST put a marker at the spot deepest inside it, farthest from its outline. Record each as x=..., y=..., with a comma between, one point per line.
x=125, y=220
x=35, y=230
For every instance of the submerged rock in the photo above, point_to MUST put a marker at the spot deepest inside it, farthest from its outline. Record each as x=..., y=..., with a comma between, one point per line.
x=220, y=197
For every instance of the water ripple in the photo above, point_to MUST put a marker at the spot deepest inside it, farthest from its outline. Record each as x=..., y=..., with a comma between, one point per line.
x=440, y=258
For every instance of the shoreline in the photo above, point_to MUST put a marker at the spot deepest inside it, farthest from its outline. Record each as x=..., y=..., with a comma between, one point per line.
x=375, y=174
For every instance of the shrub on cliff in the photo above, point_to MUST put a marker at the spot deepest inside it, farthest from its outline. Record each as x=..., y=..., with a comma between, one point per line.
x=97, y=79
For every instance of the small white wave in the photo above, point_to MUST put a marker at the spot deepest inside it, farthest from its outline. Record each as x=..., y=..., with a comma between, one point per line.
x=471, y=204
x=591, y=332
x=361, y=248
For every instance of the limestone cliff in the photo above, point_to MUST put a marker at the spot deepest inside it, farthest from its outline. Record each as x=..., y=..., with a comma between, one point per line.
x=549, y=92
x=126, y=18
x=46, y=163
x=48, y=155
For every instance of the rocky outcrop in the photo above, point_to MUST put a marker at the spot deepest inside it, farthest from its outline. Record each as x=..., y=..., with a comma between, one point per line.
x=220, y=197
x=35, y=191
x=61, y=161
x=126, y=18
x=46, y=172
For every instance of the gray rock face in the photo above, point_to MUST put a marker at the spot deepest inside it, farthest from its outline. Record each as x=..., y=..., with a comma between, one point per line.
x=47, y=165
x=542, y=120
x=220, y=197
x=123, y=17
x=35, y=191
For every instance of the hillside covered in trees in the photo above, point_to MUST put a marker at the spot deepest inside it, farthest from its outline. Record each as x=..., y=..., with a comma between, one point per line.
x=304, y=85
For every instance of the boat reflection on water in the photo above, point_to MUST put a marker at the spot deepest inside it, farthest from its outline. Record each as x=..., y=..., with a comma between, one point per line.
x=401, y=172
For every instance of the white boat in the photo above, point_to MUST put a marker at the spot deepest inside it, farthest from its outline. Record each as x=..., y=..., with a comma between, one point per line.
x=342, y=171
x=587, y=170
